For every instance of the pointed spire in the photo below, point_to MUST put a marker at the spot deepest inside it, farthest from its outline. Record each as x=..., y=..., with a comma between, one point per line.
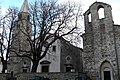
x=25, y=7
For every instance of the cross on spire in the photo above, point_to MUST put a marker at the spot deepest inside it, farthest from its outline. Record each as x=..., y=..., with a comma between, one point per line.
x=25, y=7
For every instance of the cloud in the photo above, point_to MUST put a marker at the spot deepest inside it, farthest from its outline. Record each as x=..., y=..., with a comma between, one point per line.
x=3, y=11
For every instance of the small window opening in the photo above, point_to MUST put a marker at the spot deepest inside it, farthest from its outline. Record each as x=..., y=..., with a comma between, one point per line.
x=28, y=17
x=68, y=59
x=54, y=48
x=25, y=67
x=101, y=13
x=89, y=17
x=45, y=68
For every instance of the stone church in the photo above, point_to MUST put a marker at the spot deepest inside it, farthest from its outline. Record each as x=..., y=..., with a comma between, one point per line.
x=64, y=56
x=101, y=44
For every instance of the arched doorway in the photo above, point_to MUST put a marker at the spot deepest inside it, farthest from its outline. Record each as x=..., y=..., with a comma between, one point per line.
x=106, y=71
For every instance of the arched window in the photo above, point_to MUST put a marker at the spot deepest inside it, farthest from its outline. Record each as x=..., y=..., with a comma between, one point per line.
x=25, y=67
x=89, y=17
x=101, y=12
x=68, y=59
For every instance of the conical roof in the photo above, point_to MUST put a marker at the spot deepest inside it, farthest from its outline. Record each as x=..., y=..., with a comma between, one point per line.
x=25, y=7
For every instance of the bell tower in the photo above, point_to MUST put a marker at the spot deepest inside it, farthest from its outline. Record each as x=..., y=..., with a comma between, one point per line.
x=21, y=32
x=98, y=42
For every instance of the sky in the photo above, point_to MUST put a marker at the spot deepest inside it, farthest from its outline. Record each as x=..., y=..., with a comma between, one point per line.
x=85, y=5
x=115, y=4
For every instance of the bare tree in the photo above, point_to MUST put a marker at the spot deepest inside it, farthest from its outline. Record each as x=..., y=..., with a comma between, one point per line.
x=50, y=21
x=6, y=26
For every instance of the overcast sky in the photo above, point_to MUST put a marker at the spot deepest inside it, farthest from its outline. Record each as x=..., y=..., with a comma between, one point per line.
x=85, y=5
x=114, y=3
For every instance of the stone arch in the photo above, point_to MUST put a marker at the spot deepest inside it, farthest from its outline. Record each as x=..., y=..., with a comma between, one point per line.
x=100, y=6
x=106, y=71
x=100, y=10
x=103, y=7
x=87, y=16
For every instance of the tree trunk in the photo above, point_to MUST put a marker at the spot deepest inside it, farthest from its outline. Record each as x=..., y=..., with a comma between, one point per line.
x=34, y=66
x=4, y=66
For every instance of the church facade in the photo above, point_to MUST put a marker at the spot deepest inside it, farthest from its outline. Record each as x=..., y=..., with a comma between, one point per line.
x=62, y=56
x=101, y=44
x=100, y=57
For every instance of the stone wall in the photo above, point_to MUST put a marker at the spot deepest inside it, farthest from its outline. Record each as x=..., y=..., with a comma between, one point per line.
x=99, y=42
x=71, y=56
x=4, y=76
x=51, y=76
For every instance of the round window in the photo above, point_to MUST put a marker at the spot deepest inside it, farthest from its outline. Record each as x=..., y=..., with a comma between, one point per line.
x=68, y=58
